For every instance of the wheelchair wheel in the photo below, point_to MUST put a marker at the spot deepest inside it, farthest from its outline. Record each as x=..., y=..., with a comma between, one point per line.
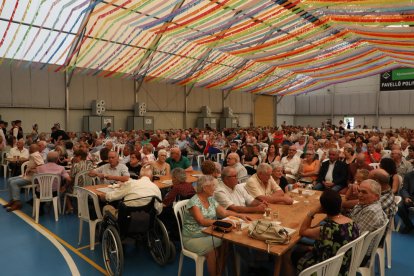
x=159, y=243
x=112, y=251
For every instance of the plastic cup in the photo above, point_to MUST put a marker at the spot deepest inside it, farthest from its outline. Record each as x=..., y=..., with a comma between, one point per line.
x=238, y=226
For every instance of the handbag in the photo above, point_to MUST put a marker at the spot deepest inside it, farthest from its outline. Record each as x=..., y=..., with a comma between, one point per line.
x=269, y=232
x=222, y=226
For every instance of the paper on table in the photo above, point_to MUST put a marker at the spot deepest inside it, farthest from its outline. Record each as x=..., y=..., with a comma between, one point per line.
x=309, y=192
x=167, y=182
x=295, y=201
x=105, y=190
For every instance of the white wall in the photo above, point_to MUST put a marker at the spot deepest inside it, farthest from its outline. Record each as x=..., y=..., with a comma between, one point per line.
x=38, y=96
x=356, y=98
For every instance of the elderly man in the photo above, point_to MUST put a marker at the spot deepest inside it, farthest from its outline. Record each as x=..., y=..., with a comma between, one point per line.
x=234, y=148
x=403, y=166
x=43, y=150
x=134, y=189
x=357, y=165
x=113, y=171
x=233, y=196
x=20, y=154
x=15, y=183
x=333, y=173
x=291, y=164
x=233, y=161
x=387, y=196
x=407, y=194
x=263, y=187
x=176, y=160
x=368, y=213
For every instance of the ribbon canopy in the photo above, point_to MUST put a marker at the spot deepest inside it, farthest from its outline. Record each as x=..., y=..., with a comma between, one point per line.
x=274, y=47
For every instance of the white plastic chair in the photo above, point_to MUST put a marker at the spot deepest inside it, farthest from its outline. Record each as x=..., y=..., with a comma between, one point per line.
x=87, y=181
x=397, y=200
x=371, y=241
x=243, y=179
x=374, y=165
x=5, y=165
x=83, y=213
x=199, y=260
x=328, y=267
x=45, y=183
x=387, y=242
x=355, y=246
x=28, y=187
x=199, y=158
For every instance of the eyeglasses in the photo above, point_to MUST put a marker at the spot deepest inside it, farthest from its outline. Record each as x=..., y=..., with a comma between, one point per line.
x=231, y=175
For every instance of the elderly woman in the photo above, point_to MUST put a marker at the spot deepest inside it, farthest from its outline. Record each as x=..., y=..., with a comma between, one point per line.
x=201, y=211
x=209, y=167
x=335, y=231
x=80, y=164
x=161, y=167
x=180, y=187
x=63, y=156
x=277, y=174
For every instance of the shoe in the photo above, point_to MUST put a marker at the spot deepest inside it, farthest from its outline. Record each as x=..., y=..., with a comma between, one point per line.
x=17, y=205
x=8, y=204
x=406, y=229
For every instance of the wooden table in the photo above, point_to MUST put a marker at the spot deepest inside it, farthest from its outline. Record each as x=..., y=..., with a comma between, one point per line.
x=190, y=179
x=291, y=216
x=191, y=176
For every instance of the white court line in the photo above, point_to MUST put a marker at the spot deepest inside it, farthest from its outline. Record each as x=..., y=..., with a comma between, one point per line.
x=72, y=266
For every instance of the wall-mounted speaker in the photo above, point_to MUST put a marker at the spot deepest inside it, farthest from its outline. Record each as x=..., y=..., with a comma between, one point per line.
x=228, y=112
x=205, y=111
x=140, y=109
x=98, y=107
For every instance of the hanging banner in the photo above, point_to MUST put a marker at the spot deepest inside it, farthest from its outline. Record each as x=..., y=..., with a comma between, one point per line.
x=398, y=79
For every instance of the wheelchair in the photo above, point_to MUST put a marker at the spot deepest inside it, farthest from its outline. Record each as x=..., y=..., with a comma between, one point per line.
x=139, y=223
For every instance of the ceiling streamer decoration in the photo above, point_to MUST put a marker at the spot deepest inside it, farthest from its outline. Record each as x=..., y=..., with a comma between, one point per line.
x=274, y=47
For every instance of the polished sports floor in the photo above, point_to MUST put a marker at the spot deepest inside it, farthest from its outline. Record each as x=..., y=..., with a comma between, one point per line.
x=51, y=248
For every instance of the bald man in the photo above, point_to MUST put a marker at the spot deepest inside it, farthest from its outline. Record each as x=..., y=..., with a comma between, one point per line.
x=387, y=196
x=176, y=160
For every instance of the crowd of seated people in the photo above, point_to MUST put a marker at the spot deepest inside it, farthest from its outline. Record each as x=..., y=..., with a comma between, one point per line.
x=271, y=161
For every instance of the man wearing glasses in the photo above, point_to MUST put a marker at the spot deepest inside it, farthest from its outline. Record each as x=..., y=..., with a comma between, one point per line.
x=234, y=197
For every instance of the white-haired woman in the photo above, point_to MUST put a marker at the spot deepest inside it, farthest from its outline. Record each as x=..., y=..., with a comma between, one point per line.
x=160, y=167
x=202, y=210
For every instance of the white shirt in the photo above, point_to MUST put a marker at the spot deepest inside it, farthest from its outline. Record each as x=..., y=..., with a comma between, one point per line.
x=2, y=136
x=119, y=170
x=293, y=165
x=254, y=186
x=133, y=189
x=24, y=153
x=163, y=144
x=329, y=175
x=227, y=197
